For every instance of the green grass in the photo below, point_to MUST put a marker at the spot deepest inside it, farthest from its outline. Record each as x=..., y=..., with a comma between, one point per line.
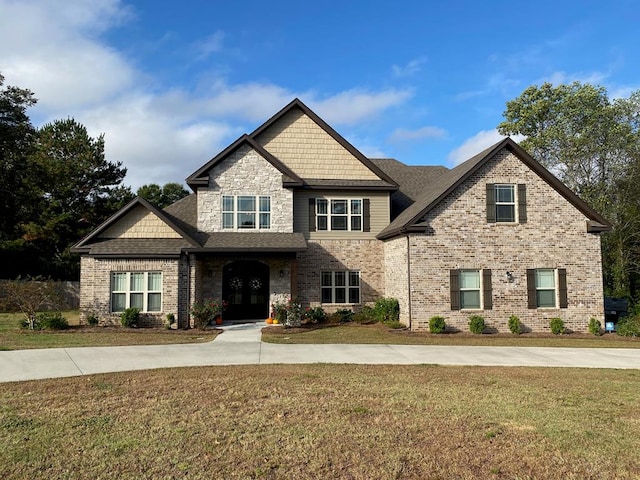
x=325, y=421
x=12, y=337
x=379, y=334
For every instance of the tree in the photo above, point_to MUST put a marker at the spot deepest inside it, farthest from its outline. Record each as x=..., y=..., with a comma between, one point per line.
x=16, y=138
x=162, y=196
x=30, y=295
x=592, y=144
x=77, y=189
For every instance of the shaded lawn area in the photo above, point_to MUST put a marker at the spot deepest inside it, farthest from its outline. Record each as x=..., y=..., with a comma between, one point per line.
x=380, y=334
x=325, y=421
x=14, y=338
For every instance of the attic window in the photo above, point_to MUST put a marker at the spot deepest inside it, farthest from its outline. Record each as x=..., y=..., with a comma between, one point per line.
x=506, y=203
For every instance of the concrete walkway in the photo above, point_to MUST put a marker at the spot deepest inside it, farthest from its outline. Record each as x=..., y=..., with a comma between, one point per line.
x=241, y=345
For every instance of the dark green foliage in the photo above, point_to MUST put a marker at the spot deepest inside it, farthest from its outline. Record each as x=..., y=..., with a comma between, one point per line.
x=345, y=315
x=515, y=325
x=366, y=315
x=170, y=319
x=129, y=318
x=557, y=326
x=386, y=310
x=595, y=326
x=629, y=327
x=92, y=320
x=162, y=196
x=316, y=315
x=437, y=324
x=476, y=324
x=395, y=324
x=52, y=321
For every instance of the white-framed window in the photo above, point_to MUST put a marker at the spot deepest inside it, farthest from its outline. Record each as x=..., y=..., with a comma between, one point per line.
x=470, y=297
x=505, y=203
x=246, y=212
x=339, y=214
x=341, y=286
x=142, y=290
x=545, y=288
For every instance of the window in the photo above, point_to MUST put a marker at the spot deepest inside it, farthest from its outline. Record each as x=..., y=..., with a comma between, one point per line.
x=246, y=211
x=340, y=287
x=547, y=288
x=506, y=204
x=471, y=289
x=142, y=290
x=338, y=214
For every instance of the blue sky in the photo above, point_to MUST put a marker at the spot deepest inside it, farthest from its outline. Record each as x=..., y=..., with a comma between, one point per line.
x=170, y=84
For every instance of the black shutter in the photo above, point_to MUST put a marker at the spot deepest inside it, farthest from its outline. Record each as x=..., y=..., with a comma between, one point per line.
x=312, y=214
x=366, y=215
x=486, y=288
x=522, y=203
x=531, y=288
x=562, y=287
x=491, y=203
x=454, y=276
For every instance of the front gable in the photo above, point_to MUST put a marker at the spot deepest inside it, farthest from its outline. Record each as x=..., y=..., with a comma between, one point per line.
x=140, y=222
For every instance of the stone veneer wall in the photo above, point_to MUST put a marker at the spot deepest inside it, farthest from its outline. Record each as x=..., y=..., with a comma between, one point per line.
x=459, y=237
x=95, y=287
x=367, y=256
x=245, y=172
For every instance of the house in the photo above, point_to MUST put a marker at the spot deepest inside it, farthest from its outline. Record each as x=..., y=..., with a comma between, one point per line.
x=294, y=210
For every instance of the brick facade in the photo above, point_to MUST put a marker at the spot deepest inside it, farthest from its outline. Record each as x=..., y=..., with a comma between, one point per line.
x=459, y=237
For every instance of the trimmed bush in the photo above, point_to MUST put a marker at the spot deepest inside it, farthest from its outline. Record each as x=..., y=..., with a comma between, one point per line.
x=557, y=326
x=594, y=326
x=515, y=325
x=345, y=315
x=52, y=321
x=129, y=318
x=170, y=319
x=365, y=315
x=476, y=324
x=629, y=327
x=316, y=315
x=386, y=310
x=437, y=324
x=395, y=324
x=92, y=320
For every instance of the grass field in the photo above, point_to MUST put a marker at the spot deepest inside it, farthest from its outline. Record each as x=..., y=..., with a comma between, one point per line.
x=325, y=421
x=379, y=333
x=14, y=338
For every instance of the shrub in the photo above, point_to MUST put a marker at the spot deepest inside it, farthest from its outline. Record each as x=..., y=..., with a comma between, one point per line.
x=557, y=326
x=629, y=327
x=594, y=326
x=316, y=315
x=515, y=325
x=206, y=311
x=366, y=315
x=476, y=324
x=52, y=321
x=129, y=318
x=436, y=324
x=345, y=315
x=92, y=320
x=287, y=313
x=395, y=324
x=386, y=310
x=170, y=319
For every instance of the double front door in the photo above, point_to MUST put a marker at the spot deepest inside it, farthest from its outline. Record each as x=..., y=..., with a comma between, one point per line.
x=245, y=287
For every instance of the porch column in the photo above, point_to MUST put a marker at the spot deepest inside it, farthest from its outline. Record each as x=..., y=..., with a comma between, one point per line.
x=293, y=276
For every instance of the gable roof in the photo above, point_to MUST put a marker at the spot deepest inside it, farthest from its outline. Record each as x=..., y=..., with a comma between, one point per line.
x=85, y=245
x=200, y=178
x=386, y=181
x=410, y=218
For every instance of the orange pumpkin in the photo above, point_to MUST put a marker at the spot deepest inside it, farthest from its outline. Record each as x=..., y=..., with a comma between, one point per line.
x=269, y=320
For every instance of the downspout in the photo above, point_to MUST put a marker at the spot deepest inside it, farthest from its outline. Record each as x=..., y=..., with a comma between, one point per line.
x=188, y=320
x=409, y=280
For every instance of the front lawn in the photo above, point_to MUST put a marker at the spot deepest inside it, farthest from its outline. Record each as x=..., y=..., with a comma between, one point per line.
x=325, y=421
x=12, y=337
x=380, y=334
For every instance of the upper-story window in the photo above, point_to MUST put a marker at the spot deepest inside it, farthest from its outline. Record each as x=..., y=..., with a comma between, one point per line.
x=506, y=203
x=246, y=211
x=338, y=214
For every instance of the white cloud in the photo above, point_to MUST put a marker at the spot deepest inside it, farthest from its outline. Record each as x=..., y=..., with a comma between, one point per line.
x=353, y=106
x=414, y=66
x=474, y=145
x=211, y=44
x=561, y=77
x=402, y=135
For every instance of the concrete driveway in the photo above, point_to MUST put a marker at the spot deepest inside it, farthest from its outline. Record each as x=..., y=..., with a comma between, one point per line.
x=241, y=345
